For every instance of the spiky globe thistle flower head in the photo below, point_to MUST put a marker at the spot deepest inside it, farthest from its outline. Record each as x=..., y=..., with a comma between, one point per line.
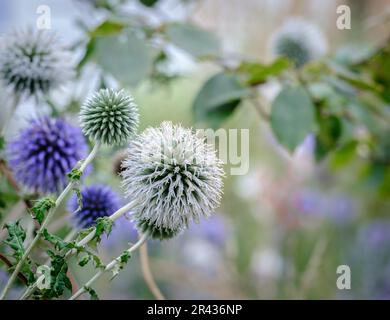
x=33, y=62
x=109, y=116
x=97, y=201
x=175, y=178
x=44, y=152
x=298, y=40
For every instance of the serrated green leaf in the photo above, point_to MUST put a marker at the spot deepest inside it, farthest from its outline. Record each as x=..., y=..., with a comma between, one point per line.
x=15, y=239
x=79, y=198
x=59, y=280
x=41, y=207
x=292, y=116
x=58, y=242
x=218, y=98
x=103, y=225
x=75, y=174
x=125, y=257
x=92, y=293
x=84, y=261
x=190, y=38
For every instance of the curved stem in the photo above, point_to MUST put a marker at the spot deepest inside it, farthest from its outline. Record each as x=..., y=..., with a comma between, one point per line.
x=46, y=221
x=121, y=211
x=109, y=267
x=147, y=273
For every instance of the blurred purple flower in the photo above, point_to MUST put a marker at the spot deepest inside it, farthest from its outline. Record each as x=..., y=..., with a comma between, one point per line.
x=376, y=234
x=213, y=229
x=338, y=208
x=97, y=201
x=44, y=152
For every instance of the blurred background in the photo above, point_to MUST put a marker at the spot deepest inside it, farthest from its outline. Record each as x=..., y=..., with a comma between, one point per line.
x=285, y=226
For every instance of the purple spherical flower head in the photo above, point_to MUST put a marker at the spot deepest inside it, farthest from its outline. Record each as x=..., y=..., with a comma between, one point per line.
x=44, y=152
x=97, y=201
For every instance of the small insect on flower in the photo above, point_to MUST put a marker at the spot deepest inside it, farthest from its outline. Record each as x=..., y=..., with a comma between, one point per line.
x=44, y=152
x=109, y=116
x=298, y=40
x=97, y=201
x=34, y=62
x=175, y=178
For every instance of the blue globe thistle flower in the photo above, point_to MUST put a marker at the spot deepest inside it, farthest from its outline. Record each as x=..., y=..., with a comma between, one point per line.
x=44, y=152
x=97, y=201
x=298, y=40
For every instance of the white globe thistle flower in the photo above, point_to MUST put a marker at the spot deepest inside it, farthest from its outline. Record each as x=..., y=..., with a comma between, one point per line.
x=174, y=177
x=34, y=62
x=109, y=116
x=299, y=40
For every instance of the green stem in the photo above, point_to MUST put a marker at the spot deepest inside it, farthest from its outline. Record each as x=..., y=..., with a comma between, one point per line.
x=47, y=220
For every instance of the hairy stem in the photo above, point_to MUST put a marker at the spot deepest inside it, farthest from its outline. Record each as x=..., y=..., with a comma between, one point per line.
x=109, y=267
x=121, y=211
x=47, y=220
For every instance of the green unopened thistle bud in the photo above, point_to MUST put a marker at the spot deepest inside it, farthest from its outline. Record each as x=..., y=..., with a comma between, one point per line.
x=109, y=116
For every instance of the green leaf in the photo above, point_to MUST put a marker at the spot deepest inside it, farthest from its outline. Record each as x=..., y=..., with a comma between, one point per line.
x=258, y=73
x=124, y=258
x=195, y=41
x=128, y=60
x=121, y=262
x=2, y=143
x=88, y=54
x=107, y=28
x=148, y=3
x=58, y=242
x=292, y=116
x=15, y=239
x=328, y=135
x=103, y=225
x=88, y=257
x=79, y=196
x=92, y=293
x=344, y=155
x=75, y=174
x=84, y=261
x=59, y=280
x=218, y=98
x=41, y=207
